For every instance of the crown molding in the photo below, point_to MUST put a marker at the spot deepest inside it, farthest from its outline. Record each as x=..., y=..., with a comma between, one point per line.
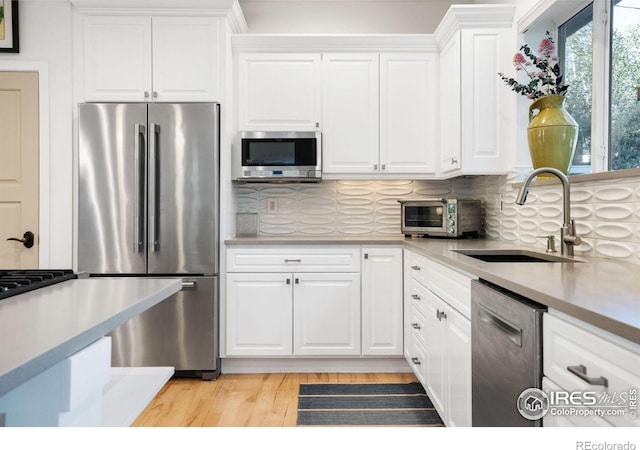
x=473, y=16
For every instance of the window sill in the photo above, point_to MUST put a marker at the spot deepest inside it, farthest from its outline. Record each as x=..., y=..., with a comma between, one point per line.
x=613, y=175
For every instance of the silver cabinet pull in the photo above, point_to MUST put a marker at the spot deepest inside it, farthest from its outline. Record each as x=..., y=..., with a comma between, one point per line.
x=440, y=314
x=288, y=280
x=581, y=372
x=375, y=167
x=454, y=161
x=416, y=326
x=366, y=256
x=293, y=260
x=384, y=167
x=415, y=296
x=415, y=267
x=416, y=361
x=146, y=94
x=155, y=94
x=189, y=284
x=297, y=280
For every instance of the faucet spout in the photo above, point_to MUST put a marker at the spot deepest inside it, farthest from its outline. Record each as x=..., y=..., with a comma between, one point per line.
x=568, y=231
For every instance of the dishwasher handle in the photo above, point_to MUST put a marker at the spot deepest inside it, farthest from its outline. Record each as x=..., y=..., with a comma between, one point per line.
x=513, y=332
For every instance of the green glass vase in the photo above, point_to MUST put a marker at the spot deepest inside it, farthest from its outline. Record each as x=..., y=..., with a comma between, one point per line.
x=552, y=134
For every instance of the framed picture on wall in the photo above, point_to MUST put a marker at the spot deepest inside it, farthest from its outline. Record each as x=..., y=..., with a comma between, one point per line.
x=9, y=26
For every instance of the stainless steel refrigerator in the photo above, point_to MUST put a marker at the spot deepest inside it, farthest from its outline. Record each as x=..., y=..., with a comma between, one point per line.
x=148, y=206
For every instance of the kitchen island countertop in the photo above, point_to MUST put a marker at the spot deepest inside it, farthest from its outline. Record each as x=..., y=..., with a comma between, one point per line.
x=40, y=328
x=602, y=292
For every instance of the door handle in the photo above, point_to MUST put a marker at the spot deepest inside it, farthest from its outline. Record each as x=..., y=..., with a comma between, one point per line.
x=189, y=284
x=154, y=210
x=139, y=180
x=28, y=239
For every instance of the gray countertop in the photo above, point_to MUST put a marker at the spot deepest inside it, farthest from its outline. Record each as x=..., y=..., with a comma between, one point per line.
x=40, y=328
x=599, y=291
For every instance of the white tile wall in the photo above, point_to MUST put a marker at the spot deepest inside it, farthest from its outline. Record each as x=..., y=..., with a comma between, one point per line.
x=607, y=213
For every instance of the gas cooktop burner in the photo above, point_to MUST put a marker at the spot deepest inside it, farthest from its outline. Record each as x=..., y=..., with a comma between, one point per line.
x=14, y=282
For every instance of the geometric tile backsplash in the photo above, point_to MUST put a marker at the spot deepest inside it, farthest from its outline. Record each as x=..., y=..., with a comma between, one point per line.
x=607, y=212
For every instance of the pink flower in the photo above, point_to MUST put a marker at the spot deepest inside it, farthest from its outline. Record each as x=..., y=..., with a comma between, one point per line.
x=519, y=59
x=546, y=47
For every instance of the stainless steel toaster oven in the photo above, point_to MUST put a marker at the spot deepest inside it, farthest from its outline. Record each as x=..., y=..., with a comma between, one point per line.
x=441, y=217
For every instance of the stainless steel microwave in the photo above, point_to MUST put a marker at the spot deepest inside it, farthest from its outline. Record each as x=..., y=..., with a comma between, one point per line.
x=278, y=156
x=441, y=217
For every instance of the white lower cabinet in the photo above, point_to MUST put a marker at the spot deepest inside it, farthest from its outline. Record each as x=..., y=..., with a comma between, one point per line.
x=382, y=301
x=438, y=336
x=326, y=317
x=259, y=317
x=314, y=301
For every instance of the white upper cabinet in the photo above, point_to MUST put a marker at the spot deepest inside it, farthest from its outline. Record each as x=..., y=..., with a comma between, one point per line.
x=141, y=58
x=350, y=113
x=476, y=42
x=408, y=109
x=379, y=114
x=279, y=92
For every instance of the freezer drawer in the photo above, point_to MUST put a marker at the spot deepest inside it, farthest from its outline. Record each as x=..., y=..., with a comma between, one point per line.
x=181, y=331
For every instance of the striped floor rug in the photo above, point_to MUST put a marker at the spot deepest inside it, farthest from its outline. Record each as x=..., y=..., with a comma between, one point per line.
x=371, y=404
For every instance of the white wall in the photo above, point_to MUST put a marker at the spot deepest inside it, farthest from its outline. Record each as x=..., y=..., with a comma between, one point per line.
x=390, y=16
x=45, y=37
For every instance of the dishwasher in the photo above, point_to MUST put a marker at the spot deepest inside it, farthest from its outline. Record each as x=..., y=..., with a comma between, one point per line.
x=506, y=354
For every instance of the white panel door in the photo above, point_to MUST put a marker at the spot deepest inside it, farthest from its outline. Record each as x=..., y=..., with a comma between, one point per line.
x=186, y=59
x=408, y=113
x=481, y=95
x=279, y=92
x=259, y=314
x=458, y=369
x=382, y=301
x=436, y=352
x=450, y=104
x=350, y=113
x=19, y=156
x=326, y=314
x=117, y=58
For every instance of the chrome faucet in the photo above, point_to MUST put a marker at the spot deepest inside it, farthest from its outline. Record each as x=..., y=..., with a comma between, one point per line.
x=568, y=236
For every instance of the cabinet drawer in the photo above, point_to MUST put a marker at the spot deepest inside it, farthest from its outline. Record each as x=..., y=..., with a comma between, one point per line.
x=418, y=326
x=417, y=267
x=451, y=286
x=344, y=259
x=418, y=361
x=417, y=296
x=556, y=420
x=579, y=359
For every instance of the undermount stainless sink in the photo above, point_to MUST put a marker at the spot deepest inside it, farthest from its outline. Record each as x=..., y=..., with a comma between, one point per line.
x=513, y=255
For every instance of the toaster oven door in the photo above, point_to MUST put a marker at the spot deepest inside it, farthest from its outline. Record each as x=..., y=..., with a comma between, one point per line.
x=425, y=218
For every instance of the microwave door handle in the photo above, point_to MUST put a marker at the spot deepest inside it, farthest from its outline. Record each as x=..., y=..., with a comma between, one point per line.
x=154, y=211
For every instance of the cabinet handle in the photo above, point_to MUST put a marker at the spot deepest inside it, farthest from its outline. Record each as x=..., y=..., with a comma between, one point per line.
x=297, y=280
x=416, y=361
x=581, y=372
x=146, y=94
x=375, y=167
x=415, y=296
x=189, y=284
x=440, y=314
x=317, y=124
x=292, y=260
x=415, y=267
x=288, y=280
x=384, y=167
x=416, y=326
x=155, y=94
x=366, y=256
x=454, y=161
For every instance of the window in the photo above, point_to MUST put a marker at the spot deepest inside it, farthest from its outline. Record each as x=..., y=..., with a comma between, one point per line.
x=600, y=61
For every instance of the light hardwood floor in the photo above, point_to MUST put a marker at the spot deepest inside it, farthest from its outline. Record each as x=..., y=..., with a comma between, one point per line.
x=243, y=400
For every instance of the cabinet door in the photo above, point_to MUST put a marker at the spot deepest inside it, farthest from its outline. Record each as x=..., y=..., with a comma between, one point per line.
x=326, y=314
x=117, y=58
x=483, y=101
x=408, y=113
x=259, y=314
x=350, y=113
x=186, y=59
x=436, y=349
x=279, y=92
x=382, y=301
x=458, y=369
x=450, y=113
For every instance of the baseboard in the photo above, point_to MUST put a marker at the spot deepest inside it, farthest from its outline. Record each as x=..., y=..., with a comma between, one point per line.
x=320, y=365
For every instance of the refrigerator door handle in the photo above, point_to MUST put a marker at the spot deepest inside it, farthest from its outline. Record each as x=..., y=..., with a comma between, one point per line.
x=139, y=182
x=154, y=210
